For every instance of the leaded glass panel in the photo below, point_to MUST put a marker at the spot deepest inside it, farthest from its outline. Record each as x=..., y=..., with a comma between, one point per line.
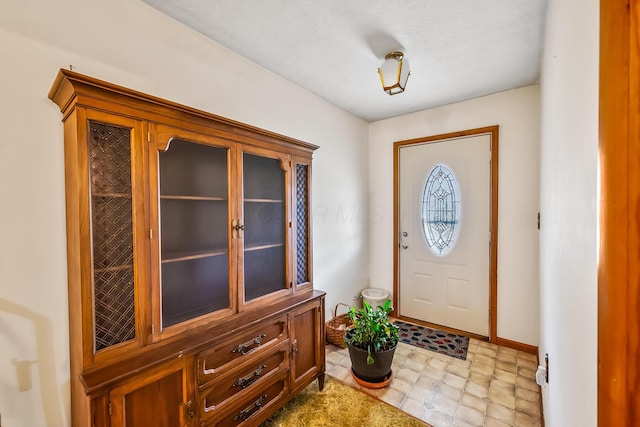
x=302, y=223
x=441, y=209
x=111, y=219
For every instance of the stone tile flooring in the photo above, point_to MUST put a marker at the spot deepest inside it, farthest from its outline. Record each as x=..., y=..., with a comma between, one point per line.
x=494, y=387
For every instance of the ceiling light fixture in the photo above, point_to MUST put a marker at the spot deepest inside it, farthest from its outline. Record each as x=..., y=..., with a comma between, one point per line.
x=394, y=73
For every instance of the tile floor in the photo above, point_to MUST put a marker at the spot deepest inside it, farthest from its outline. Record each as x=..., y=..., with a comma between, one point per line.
x=494, y=387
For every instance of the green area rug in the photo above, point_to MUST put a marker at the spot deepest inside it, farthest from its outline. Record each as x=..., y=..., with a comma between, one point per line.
x=338, y=405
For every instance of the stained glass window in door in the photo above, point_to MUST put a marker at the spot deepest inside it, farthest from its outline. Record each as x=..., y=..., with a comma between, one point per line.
x=441, y=208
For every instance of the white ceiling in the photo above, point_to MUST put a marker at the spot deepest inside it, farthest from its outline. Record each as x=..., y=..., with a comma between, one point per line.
x=457, y=49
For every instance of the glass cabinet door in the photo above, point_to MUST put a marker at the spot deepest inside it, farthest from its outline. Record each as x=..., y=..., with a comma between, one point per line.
x=194, y=241
x=264, y=226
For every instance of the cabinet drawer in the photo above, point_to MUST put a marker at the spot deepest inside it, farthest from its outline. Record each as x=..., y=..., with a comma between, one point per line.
x=261, y=401
x=221, y=358
x=246, y=377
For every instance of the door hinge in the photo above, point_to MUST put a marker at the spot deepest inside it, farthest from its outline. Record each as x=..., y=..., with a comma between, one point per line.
x=151, y=233
x=110, y=409
x=538, y=220
x=188, y=407
x=148, y=136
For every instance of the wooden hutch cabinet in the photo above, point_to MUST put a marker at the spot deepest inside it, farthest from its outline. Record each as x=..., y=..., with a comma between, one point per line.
x=189, y=259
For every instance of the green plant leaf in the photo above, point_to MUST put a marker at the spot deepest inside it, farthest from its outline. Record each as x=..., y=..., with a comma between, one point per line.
x=372, y=330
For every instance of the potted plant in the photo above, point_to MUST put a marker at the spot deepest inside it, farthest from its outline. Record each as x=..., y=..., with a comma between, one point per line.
x=372, y=342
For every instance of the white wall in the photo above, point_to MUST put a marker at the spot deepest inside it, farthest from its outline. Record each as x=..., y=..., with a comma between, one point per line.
x=568, y=201
x=517, y=113
x=128, y=43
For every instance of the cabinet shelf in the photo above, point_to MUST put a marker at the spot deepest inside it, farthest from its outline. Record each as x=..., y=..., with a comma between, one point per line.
x=262, y=247
x=205, y=198
x=190, y=256
x=111, y=195
x=193, y=313
x=115, y=268
x=263, y=201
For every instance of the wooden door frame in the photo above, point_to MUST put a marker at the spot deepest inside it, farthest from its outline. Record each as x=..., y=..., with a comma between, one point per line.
x=493, y=217
x=619, y=213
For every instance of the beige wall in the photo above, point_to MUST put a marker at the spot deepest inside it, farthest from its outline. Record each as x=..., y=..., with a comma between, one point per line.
x=128, y=43
x=517, y=112
x=568, y=202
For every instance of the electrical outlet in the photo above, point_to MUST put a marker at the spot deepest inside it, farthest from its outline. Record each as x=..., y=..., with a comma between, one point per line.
x=541, y=374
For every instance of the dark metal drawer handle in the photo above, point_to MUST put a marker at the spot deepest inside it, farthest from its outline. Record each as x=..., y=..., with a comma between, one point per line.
x=246, y=413
x=245, y=382
x=245, y=348
x=242, y=348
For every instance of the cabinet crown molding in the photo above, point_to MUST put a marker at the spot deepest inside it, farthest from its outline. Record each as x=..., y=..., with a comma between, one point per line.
x=71, y=88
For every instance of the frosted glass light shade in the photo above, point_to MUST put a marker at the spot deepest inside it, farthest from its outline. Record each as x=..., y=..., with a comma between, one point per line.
x=394, y=73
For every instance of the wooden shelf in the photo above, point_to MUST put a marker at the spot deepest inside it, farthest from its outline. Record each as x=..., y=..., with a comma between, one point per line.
x=262, y=247
x=111, y=195
x=191, y=256
x=116, y=268
x=195, y=312
x=263, y=201
x=213, y=199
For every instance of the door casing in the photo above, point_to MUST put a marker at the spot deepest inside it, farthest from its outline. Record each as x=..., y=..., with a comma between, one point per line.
x=619, y=210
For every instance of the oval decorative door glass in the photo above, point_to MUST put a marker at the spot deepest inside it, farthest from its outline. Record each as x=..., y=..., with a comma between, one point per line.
x=441, y=210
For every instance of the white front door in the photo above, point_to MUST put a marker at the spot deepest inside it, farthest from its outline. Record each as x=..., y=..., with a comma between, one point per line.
x=444, y=225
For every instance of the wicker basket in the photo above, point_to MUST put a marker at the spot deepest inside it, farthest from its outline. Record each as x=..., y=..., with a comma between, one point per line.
x=338, y=326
